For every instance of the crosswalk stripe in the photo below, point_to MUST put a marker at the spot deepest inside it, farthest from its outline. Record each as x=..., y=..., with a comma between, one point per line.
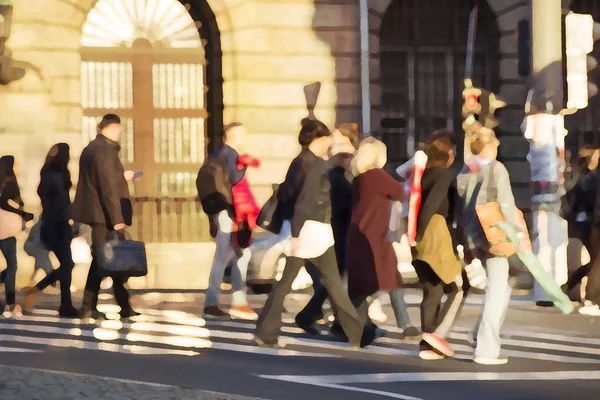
x=177, y=332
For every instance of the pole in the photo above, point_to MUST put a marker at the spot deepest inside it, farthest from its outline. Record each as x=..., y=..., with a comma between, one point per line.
x=546, y=135
x=472, y=35
x=365, y=72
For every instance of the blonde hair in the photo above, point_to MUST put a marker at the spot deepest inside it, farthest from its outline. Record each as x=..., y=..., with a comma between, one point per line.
x=371, y=154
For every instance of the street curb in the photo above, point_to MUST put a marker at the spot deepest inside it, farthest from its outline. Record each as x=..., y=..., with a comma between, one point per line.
x=189, y=392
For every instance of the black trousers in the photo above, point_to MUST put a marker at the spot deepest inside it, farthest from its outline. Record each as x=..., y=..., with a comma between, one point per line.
x=313, y=310
x=593, y=275
x=100, y=234
x=585, y=233
x=269, y=322
x=57, y=236
x=433, y=312
x=8, y=247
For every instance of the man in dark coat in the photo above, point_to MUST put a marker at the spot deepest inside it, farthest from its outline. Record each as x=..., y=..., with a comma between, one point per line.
x=102, y=201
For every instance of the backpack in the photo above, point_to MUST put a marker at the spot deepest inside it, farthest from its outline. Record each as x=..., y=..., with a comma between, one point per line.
x=214, y=187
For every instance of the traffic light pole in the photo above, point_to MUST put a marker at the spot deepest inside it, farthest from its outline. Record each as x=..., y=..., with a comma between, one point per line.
x=545, y=132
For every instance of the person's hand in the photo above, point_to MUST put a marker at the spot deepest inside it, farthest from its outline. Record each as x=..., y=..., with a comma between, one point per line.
x=129, y=175
x=295, y=243
x=119, y=227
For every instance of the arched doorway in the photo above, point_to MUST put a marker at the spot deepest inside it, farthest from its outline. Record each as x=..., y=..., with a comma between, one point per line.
x=146, y=61
x=584, y=126
x=422, y=55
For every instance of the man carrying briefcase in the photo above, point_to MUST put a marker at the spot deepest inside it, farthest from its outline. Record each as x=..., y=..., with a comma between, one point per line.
x=102, y=201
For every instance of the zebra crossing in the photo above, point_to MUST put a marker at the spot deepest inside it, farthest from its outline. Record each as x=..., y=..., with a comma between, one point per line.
x=171, y=332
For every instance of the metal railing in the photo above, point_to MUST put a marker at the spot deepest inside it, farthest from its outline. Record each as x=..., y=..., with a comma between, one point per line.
x=169, y=220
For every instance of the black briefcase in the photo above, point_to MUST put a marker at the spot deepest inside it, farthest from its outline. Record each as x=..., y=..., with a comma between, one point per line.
x=269, y=217
x=122, y=259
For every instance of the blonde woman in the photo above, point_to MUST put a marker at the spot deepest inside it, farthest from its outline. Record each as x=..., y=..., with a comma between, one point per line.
x=370, y=257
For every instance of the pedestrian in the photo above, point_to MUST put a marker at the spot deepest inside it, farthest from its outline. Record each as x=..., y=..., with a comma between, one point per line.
x=484, y=180
x=306, y=197
x=339, y=176
x=10, y=201
x=436, y=262
x=246, y=209
x=578, y=209
x=371, y=261
x=56, y=233
x=222, y=220
x=102, y=201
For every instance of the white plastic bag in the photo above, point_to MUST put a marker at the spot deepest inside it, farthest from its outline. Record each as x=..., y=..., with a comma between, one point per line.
x=80, y=250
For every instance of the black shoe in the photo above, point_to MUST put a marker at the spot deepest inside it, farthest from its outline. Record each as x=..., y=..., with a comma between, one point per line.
x=267, y=343
x=307, y=326
x=411, y=332
x=128, y=313
x=215, y=312
x=337, y=331
x=544, y=304
x=68, y=312
x=369, y=335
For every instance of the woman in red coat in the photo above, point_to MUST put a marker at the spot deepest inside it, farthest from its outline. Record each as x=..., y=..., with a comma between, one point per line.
x=371, y=260
x=244, y=204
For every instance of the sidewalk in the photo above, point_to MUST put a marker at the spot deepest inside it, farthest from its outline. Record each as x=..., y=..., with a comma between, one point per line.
x=24, y=384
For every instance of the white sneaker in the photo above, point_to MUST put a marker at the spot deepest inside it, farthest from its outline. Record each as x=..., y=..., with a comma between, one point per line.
x=591, y=309
x=376, y=312
x=490, y=361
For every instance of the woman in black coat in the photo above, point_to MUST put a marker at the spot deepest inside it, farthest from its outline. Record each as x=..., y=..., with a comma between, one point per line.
x=56, y=232
x=10, y=200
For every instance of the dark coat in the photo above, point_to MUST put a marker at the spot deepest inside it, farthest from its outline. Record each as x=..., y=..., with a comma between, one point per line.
x=370, y=257
x=102, y=195
x=341, y=211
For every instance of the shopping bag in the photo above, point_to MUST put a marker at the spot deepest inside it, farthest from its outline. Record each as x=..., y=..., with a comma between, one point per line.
x=81, y=251
x=490, y=216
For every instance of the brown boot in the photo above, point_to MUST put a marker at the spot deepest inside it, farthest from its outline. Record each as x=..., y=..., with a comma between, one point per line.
x=31, y=294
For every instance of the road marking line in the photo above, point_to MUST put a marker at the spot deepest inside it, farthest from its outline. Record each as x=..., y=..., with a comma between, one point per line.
x=539, y=335
x=438, y=377
x=18, y=350
x=307, y=381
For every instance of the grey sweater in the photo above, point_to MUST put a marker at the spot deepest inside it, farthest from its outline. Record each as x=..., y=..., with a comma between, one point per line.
x=481, y=182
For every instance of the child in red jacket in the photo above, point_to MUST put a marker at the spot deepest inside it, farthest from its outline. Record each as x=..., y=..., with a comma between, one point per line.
x=246, y=209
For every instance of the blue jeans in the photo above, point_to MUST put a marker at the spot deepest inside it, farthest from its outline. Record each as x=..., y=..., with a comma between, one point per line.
x=497, y=297
x=224, y=254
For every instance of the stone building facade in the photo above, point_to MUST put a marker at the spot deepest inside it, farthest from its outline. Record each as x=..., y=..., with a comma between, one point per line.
x=252, y=60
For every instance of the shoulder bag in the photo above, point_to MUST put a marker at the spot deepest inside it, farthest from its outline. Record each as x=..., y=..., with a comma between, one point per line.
x=490, y=217
x=11, y=224
x=122, y=258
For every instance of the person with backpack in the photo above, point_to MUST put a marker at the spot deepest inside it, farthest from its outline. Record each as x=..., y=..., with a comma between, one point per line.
x=215, y=184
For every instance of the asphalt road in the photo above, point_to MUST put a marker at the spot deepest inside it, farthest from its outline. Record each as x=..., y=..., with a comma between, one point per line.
x=551, y=356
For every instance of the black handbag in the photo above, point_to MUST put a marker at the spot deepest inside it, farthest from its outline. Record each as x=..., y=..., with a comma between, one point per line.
x=122, y=258
x=269, y=218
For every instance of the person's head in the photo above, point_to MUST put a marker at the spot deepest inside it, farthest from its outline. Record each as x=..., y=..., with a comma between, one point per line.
x=315, y=136
x=371, y=154
x=234, y=135
x=441, y=151
x=7, y=168
x=587, y=158
x=346, y=136
x=483, y=143
x=110, y=127
x=58, y=160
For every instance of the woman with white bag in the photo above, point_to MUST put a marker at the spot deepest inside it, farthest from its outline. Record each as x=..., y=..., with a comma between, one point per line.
x=56, y=232
x=12, y=218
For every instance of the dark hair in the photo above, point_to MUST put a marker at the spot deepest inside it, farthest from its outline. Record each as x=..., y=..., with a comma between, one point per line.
x=57, y=160
x=442, y=133
x=107, y=120
x=439, y=152
x=350, y=130
x=7, y=168
x=312, y=129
